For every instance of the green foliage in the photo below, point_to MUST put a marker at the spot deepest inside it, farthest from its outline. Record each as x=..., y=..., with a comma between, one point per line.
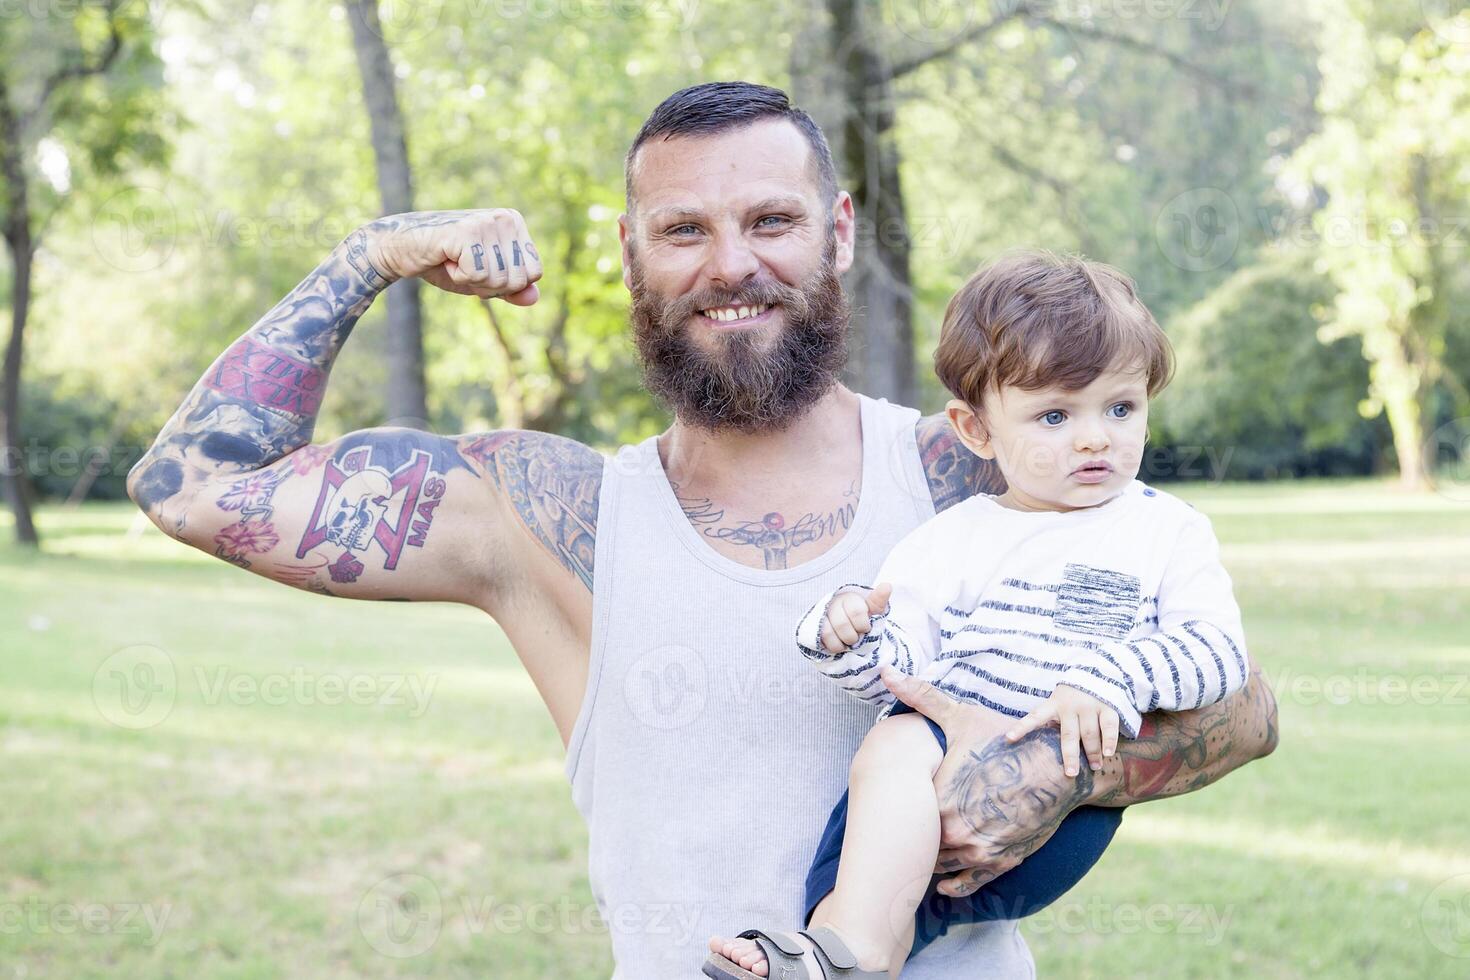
x=70, y=434
x=103, y=125
x=1064, y=139
x=1029, y=136
x=1255, y=388
x=1391, y=159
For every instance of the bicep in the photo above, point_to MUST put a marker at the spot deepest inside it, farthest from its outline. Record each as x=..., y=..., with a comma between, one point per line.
x=378, y=514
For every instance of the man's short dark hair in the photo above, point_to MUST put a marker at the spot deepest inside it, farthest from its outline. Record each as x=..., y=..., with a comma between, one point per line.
x=716, y=107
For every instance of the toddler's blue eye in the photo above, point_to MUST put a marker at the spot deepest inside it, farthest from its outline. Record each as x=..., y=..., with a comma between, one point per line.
x=1120, y=410
x=1054, y=417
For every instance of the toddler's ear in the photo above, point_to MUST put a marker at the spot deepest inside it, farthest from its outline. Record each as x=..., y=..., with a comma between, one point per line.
x=969, y=428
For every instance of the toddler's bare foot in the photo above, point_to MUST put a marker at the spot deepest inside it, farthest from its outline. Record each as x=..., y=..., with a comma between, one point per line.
x=749, y=955
x=742, y=951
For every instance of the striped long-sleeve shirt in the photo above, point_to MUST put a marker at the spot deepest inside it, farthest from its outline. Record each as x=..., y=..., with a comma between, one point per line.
x=1127, y=601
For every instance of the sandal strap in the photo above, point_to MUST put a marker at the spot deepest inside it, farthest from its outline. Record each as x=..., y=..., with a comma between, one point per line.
x=836, y=958
x=782, y=951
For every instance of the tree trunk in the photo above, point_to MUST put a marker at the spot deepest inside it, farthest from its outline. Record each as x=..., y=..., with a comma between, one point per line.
x=1407, y=425
x=550, y=413
x=406, y=401
x=840, y=77
x=17, y=230
x=1401, y=386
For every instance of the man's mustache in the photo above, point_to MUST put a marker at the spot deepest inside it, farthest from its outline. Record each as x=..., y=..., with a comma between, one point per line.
x=681, y=308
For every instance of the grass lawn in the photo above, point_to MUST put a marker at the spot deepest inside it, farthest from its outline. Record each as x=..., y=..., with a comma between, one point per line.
x=208, y=775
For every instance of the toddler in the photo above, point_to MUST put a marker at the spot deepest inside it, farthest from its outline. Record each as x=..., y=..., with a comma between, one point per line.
x=1079, y=599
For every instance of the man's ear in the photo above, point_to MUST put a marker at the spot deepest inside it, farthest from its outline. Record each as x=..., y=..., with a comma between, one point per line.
x=625, y=232
x=970, y=428
x=844, y=227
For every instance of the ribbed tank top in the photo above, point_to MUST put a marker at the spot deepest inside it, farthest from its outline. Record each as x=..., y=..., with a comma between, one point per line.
x=708, y=752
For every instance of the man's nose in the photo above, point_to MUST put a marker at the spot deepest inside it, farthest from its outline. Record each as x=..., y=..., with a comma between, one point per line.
x=732, y=263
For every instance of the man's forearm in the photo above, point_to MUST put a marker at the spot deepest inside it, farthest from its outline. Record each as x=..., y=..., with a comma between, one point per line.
x=260, y=399
x=1177, y=752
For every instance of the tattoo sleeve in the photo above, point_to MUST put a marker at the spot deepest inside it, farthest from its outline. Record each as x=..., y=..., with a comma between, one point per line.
x=554, y=485
x=1177, y=752
x=259, y=400
x=234, y=472
x=953, y=471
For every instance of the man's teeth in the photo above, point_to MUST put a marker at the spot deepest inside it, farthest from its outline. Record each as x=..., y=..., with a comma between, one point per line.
x=729, y=314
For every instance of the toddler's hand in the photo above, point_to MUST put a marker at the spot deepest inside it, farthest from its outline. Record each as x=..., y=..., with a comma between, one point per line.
x=850, y=616
x=1078, y=714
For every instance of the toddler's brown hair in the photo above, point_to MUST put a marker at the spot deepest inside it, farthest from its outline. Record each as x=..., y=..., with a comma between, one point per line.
x=1033, y=319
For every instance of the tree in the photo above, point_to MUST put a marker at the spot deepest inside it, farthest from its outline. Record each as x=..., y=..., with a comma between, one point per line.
x=51, y=69
x=1259, y=396
x=854, y=63
x=406, y=399
x=1393, y=160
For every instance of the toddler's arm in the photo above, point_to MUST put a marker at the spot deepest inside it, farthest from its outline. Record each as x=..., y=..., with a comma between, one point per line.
x=904, y=636
x=1198, y=655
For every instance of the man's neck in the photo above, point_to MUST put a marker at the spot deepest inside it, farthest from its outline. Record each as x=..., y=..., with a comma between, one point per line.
x=720, y=463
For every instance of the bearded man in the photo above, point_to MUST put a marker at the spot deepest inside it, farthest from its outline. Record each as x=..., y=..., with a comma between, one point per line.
x=653, y=595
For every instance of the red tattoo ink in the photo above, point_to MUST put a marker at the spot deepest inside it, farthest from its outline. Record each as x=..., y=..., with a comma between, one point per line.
x=1148, y=777
x=258, y=374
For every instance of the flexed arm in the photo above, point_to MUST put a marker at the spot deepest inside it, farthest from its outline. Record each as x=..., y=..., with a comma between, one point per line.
x=381, y=513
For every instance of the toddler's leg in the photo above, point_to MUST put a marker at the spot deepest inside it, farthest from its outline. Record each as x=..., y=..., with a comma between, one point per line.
x=891, y=843
x=888, y=850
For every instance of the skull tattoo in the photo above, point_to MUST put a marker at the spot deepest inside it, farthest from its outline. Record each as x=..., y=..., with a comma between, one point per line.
x=354, y=511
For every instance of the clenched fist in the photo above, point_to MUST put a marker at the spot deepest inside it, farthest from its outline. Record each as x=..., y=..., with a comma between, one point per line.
x=487, y=253
x=850, y=616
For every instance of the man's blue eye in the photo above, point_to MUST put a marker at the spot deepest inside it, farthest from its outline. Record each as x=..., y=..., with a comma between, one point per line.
x=1054, y=417
x=770, y=217
x=1120, y=410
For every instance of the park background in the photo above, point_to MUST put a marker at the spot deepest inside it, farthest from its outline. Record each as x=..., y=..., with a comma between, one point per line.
x=207, y=775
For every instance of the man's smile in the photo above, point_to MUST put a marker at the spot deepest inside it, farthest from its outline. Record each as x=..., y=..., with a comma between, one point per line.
x=736, y=316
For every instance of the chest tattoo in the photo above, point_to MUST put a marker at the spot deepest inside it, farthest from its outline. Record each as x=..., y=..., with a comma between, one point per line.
x=774, y=534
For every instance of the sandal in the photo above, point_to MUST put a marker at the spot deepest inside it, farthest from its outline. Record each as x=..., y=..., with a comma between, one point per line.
x=784, y=958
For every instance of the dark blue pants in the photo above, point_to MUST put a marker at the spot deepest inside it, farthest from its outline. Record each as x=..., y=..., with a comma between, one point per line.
x=1029, y=887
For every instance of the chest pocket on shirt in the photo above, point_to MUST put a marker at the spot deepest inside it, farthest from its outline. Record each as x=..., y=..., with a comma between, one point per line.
x=1097, y=601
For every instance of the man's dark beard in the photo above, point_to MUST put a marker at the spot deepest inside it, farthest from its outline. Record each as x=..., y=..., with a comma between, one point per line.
x=740, y=386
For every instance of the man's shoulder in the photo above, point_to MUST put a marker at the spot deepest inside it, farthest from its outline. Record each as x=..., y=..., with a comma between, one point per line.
x=552, y=483
x=954, y=473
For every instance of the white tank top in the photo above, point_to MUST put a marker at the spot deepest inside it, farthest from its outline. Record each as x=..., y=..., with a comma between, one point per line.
x=698, y=701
